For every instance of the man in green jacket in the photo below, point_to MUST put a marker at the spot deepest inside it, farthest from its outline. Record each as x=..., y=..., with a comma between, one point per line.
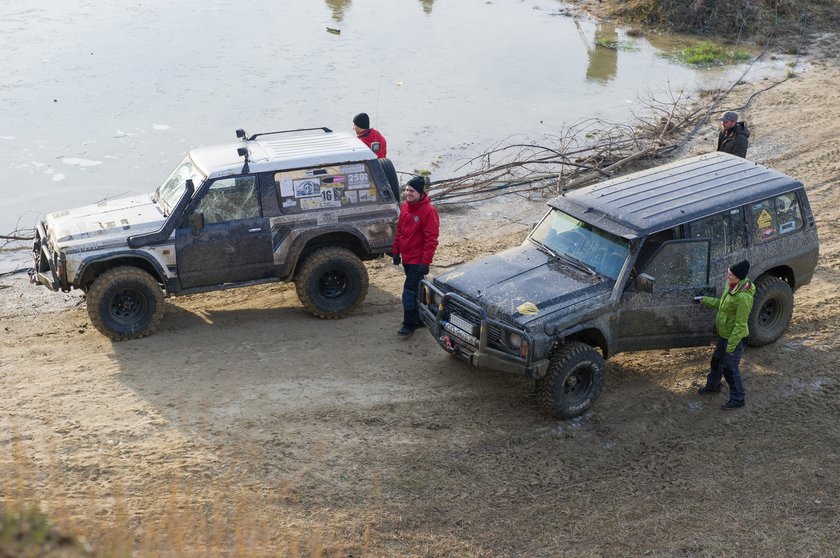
x=733, y=311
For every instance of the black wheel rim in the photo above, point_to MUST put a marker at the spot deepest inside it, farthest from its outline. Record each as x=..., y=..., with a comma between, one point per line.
x=578, y=383
x=333, y=284
x=127, y=306
x=769, y=313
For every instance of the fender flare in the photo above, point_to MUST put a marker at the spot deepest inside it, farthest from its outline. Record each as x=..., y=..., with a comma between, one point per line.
x=88, y=263
x=304, y=239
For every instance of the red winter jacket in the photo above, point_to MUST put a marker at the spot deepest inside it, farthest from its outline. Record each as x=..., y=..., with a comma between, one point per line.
x=369, y=136
x=417, y=232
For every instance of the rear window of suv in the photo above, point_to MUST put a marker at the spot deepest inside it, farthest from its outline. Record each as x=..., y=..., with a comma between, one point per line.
x=776, y=217
x=334, y=186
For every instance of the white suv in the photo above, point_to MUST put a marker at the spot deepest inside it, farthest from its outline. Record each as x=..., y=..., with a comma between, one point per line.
x=305, y=205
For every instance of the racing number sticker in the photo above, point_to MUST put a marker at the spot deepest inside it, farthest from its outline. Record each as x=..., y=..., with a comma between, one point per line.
x=330, y=196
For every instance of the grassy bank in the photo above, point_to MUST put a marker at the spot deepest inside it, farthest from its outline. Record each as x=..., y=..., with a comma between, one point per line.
x=737, y=20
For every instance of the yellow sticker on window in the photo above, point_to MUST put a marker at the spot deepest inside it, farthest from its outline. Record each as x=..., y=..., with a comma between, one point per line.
x=764, y=219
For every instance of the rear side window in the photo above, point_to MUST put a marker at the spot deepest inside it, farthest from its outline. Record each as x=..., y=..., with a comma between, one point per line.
x=334, y=186
x=776, y=217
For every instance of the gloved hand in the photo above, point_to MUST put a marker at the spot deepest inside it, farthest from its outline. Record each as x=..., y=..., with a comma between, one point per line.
x=698, y=299
x=423, y=269
x=396, y=258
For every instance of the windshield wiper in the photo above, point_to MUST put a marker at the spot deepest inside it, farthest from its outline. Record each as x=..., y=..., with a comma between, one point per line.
x=544, y=248
x=577, y=263
x=565, y=257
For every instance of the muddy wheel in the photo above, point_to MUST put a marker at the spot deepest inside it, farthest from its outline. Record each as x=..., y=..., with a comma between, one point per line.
x=125, y=303
x=771, y=312
x=331, y=282
x=391, y=175
x=573, y=382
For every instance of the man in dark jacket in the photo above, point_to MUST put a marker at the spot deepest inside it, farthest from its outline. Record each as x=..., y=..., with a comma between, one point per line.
x=372, y=138
x=734, y=138
x=414, y=244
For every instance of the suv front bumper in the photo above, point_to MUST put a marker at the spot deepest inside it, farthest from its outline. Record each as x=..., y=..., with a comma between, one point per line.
x=464, y=330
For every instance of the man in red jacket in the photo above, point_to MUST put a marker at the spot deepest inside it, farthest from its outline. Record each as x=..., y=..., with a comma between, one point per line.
x=371, y=137
x=415, y=244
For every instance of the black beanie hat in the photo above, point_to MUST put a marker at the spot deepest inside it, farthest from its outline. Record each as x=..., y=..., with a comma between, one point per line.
x=418, y=183
x=740, y=269
x=362, y=120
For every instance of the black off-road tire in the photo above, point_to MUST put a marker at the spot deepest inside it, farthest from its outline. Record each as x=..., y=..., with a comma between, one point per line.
x=573, y=382
x=331, y=282
x=125, y=303
x=391, y=175
x=771, y=311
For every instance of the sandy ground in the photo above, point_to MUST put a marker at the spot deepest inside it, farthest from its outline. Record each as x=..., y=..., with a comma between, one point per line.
x=247, y=426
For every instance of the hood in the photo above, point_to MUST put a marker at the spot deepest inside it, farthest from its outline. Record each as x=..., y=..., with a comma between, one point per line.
x=107, y=222
x=741, y=128
x=524, y=284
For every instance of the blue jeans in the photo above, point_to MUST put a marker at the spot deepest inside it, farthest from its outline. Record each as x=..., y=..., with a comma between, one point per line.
x=411, y=315
x=726, y=365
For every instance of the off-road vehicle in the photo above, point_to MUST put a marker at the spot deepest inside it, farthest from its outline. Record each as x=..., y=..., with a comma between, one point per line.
x=305, y=205
x=615, y=266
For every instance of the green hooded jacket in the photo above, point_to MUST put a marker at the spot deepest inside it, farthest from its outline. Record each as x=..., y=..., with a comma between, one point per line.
x=733, y=311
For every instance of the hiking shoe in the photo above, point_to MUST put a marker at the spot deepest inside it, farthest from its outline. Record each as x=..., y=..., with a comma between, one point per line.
x=730, y=405
x=708, y=391
x=405, y=331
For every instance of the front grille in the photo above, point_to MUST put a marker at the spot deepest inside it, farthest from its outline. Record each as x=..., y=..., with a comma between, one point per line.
x=464, y=311
x=495, y=337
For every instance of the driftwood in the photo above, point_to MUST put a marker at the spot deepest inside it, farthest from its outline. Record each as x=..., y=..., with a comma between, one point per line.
x=590, y=150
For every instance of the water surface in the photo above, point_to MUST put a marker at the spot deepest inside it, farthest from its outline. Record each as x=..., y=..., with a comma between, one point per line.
x=102, y=99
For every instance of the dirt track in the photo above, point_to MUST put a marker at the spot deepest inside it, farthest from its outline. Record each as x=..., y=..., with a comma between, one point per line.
x=335, y=437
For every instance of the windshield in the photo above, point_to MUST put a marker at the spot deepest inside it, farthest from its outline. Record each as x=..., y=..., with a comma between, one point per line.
x=170, y=191
x=596, y=248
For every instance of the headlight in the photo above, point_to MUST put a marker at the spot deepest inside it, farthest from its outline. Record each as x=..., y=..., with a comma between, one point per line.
x=431, y=299
x=517, y=343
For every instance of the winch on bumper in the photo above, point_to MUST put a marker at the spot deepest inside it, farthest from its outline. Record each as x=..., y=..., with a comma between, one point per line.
x=464, y=330
x=50, y=268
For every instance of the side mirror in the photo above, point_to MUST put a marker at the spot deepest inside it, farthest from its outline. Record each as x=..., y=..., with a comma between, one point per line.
x=197, y=221
x=374, y=146
x=645, y=283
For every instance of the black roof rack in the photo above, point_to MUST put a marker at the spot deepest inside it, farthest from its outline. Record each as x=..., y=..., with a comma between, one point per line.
x=240, y=133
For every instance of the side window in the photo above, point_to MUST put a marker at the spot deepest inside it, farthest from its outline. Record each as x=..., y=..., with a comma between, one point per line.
x=725, y=230
x=230, y=199
x=324, y=187
x=680, y=263
x=775, y=217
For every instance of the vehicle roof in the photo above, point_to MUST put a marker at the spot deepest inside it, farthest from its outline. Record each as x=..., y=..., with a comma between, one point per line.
x=662, y=197
x=282, y=150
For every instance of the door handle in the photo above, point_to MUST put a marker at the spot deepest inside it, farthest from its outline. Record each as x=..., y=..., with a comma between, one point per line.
x=258, y=229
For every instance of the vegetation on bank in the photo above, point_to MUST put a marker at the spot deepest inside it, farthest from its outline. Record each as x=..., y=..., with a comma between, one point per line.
x=738, y=20
x=710, y=54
